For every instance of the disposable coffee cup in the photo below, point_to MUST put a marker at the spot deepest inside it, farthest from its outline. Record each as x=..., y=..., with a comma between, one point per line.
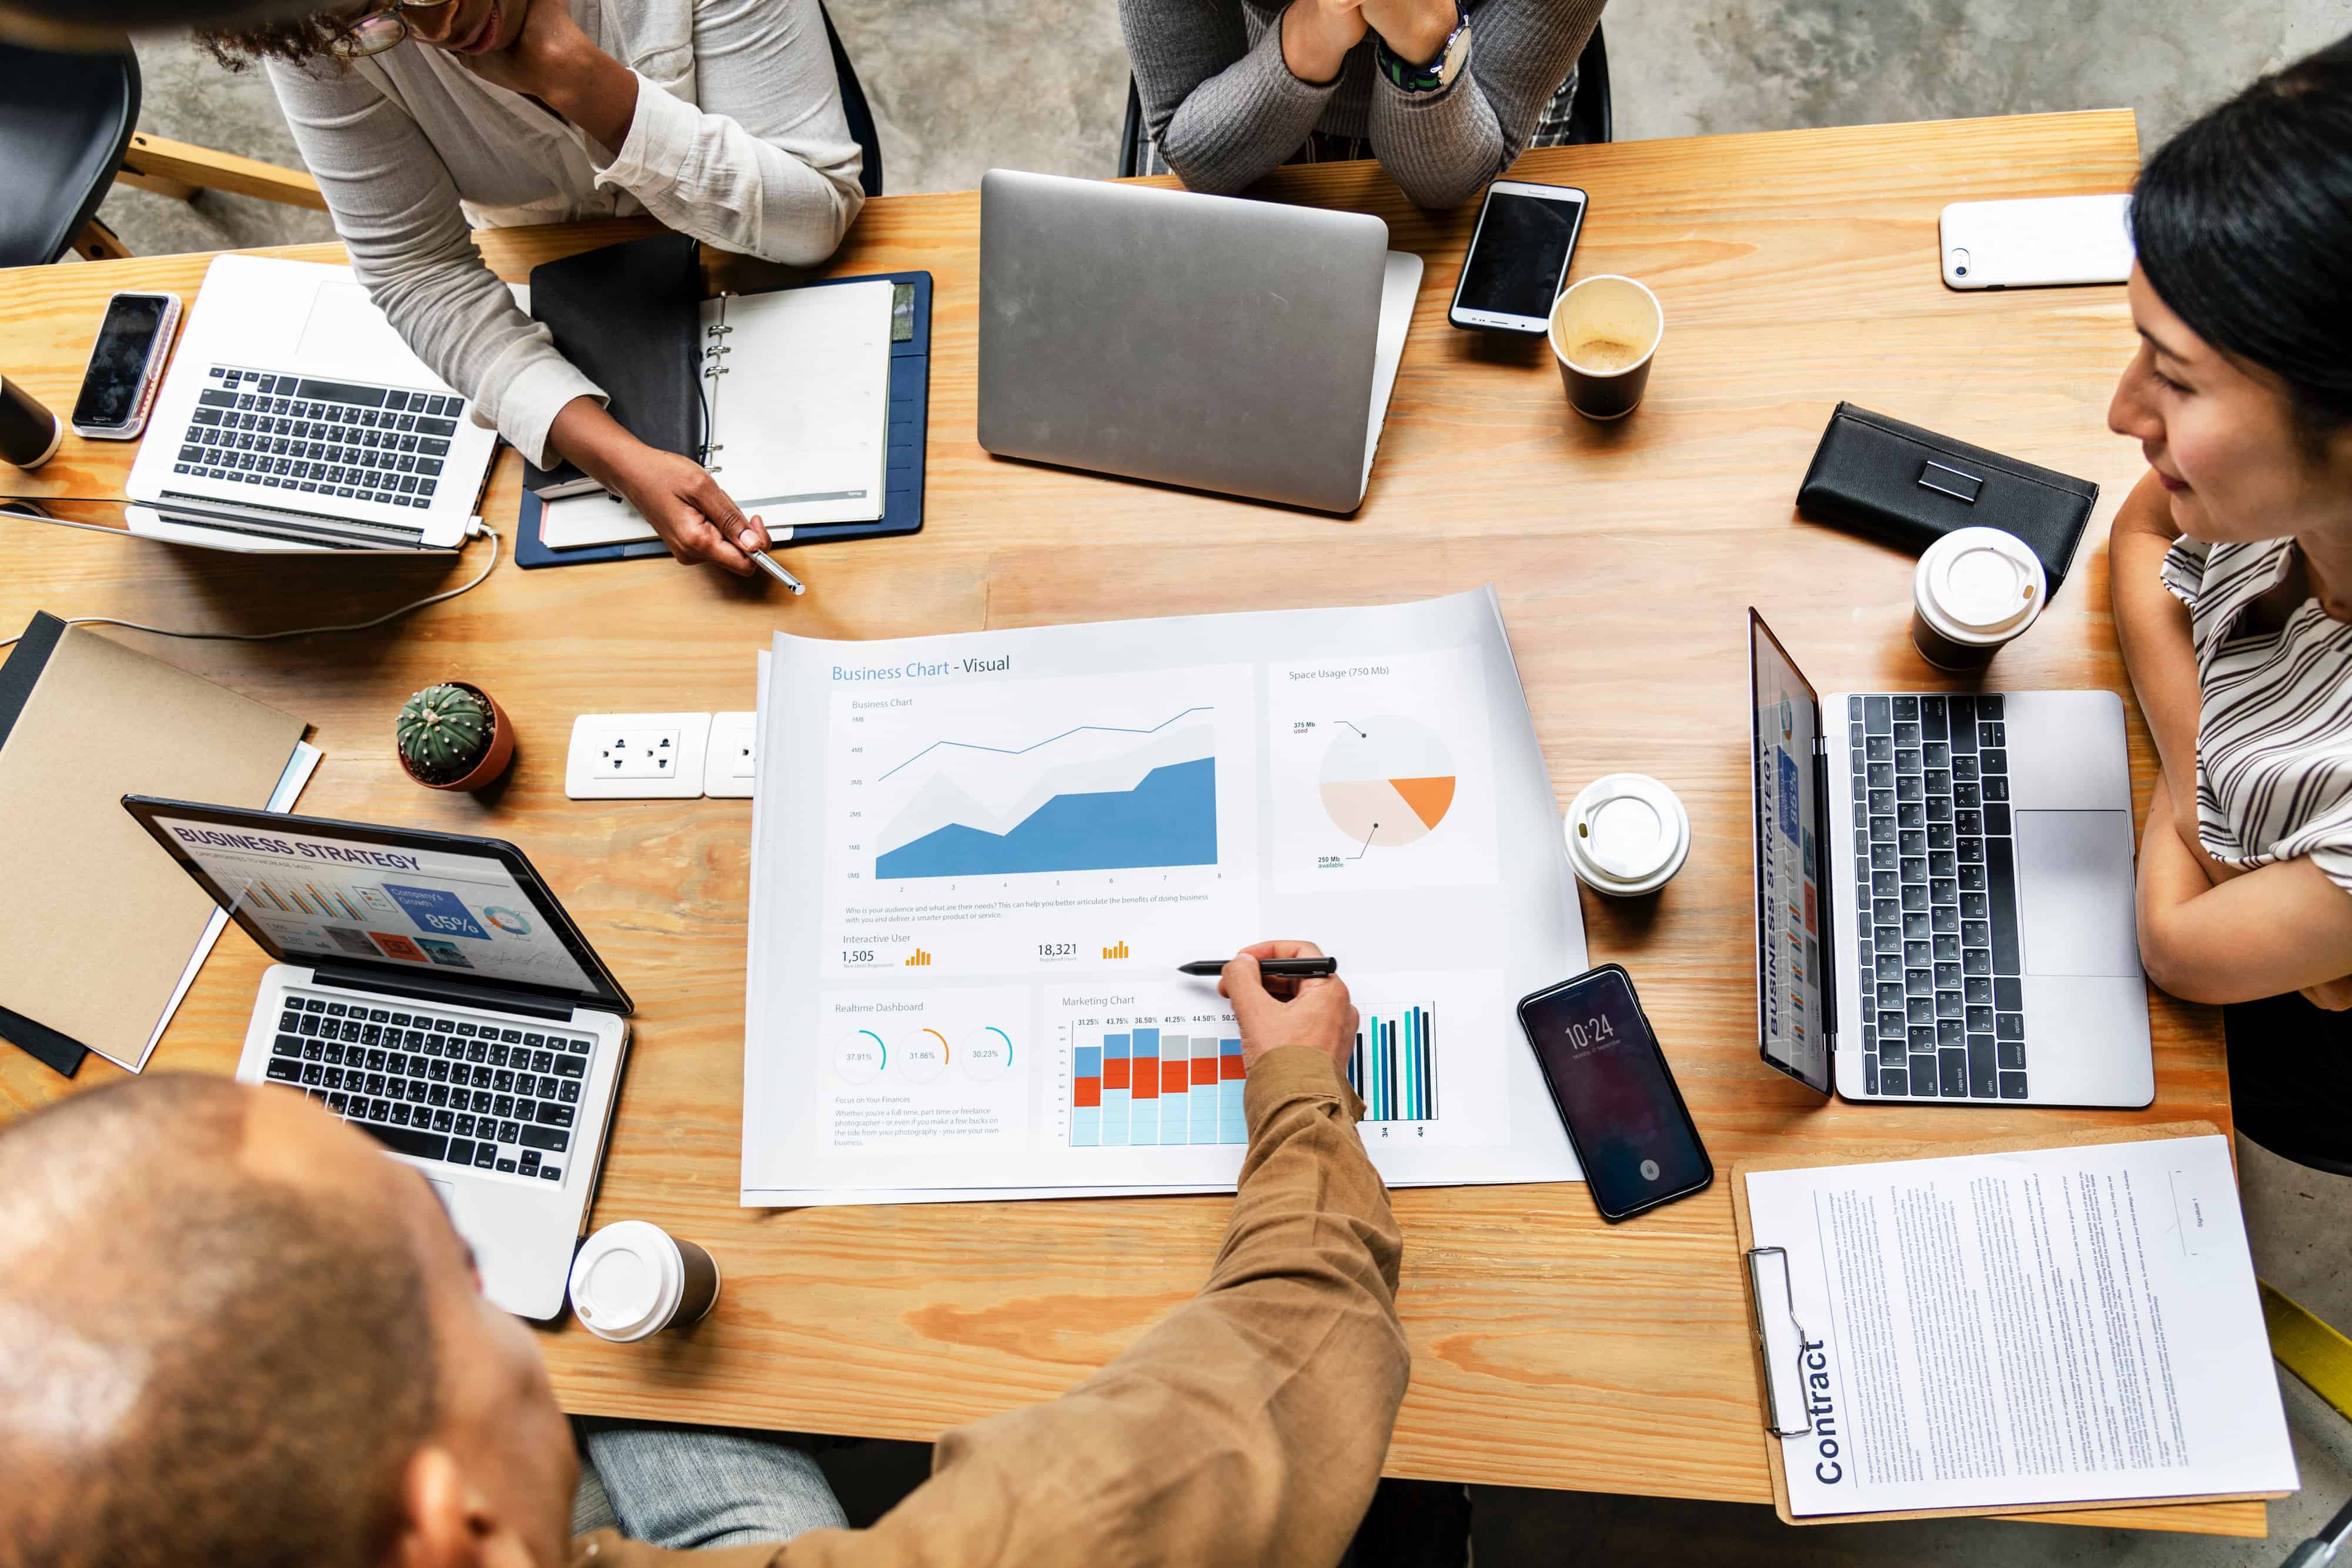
x=29, y=434
x=1975, y=590
x=1604, y=332
x=1627, y=835
x=633, y=1280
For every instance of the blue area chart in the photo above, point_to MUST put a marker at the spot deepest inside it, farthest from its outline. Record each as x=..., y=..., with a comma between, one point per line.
x=1168, y=819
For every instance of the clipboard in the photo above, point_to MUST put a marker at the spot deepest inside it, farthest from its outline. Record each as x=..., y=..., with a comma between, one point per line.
x=2125, y=1512
x=903, y=467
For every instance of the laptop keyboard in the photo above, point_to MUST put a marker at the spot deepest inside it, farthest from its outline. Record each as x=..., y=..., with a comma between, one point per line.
x=465, y=1092
x=344, y=439
x=1936, y=881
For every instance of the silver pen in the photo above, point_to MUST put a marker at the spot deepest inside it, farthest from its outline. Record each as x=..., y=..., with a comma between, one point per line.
x=768, y=564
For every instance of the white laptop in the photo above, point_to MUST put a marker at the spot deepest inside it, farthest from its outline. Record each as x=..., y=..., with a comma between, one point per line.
x=294, y=418
x=1237, y=346
x=1943, y=892
x=429, y=990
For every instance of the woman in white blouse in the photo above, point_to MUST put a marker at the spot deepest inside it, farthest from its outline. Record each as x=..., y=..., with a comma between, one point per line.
x=423, y=118
x=2231, y=571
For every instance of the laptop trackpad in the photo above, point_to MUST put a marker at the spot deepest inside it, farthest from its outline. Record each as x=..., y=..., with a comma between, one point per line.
x=2075, y=893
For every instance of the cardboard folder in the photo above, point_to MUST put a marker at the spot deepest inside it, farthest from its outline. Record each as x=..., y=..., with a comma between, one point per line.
x=97, y=922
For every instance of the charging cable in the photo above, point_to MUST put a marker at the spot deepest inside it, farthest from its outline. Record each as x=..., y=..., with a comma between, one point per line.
x=475, y=529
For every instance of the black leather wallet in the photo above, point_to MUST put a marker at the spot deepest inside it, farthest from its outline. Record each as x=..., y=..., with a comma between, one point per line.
x=1911, y=486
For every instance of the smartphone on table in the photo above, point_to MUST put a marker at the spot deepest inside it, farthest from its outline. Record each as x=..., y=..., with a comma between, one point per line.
x=126, y=365
x=1518, y=257
x=1609, y=1080
x=2037, y=242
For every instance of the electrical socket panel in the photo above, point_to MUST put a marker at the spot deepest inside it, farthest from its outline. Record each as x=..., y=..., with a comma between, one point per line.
x=637, y=756
x=727, y=767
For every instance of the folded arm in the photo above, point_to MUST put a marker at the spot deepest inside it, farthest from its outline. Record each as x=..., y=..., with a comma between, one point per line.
x=2212, y=932
x=1223, y=113
x=1247, y=1428
x=1442, y=148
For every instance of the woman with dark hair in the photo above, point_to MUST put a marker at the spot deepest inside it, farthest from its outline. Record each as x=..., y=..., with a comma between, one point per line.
x=424, y=119
x=2232, y=568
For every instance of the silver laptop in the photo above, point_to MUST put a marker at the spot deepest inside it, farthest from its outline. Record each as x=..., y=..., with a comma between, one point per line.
x=1244, y=347
x=1943, y=892
x=294, y=418
x=429, y=990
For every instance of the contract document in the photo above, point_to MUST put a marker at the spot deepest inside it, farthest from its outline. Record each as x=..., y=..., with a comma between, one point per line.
x=979, y=859
x=2002, y=1330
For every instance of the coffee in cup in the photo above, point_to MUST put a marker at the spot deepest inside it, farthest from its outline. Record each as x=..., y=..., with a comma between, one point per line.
x=1975, y=590
x=1604, y=334
x=1627, y=835
x=633, y=1279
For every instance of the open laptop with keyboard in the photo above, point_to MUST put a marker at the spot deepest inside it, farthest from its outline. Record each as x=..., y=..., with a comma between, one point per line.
x=294, y=418
x=430, y=991
x=1943, y=892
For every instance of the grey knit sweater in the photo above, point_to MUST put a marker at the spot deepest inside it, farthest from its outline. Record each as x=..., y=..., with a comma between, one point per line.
x=1225, y=109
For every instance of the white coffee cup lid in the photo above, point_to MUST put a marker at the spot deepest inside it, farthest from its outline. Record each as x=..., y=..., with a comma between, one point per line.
x=1627, y=833
x=1979, y=584
x=626, y=1281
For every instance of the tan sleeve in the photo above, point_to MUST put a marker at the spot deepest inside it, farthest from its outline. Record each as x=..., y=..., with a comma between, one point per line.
x=1247, y=1428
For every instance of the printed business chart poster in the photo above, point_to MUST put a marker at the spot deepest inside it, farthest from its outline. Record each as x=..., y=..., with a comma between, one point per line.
x=979, y=859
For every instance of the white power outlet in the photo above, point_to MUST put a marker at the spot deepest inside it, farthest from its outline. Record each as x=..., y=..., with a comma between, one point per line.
x=639, y=754
x=728, y=771
x=636, y=755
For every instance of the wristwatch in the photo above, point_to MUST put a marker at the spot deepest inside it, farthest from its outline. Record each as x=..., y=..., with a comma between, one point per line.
x=1439, y=74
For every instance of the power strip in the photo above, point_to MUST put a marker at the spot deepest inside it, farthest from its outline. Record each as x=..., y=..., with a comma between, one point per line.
x=659, y=756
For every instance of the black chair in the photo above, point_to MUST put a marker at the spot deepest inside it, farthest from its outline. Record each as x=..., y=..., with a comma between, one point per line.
x=1588, y=119
x=65, y=119
x=853, y=106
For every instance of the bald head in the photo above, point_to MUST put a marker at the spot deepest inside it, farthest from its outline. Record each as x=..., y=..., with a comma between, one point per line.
x=212, y=1356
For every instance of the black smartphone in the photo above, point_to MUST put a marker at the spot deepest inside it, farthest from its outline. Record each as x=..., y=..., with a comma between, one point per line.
x=126, y=365
x=1609, y=1080
x=1518, y=257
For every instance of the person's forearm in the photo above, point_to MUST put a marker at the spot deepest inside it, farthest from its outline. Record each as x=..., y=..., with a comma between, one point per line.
x=1224, y=113
x=2152, y=632
x=1414, y=30
x=586, y=433
x=1246, y=1429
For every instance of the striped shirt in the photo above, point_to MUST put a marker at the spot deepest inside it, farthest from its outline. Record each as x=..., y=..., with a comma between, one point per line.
x=2274, y=719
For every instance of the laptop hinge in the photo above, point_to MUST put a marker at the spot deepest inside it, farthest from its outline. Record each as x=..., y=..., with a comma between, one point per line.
x=1825, y=902
x=426, y=988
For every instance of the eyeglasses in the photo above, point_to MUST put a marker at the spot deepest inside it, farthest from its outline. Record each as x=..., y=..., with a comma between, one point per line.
x=378, y=29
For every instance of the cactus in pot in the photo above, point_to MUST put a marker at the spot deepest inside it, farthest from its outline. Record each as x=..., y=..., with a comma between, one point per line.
x=453, y=736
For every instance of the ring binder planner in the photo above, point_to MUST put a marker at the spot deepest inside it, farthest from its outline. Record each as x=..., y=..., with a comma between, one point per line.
x=743, y=412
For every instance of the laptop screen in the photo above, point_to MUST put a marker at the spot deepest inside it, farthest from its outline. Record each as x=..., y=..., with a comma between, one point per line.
x=336, y=892
x=1791, y=904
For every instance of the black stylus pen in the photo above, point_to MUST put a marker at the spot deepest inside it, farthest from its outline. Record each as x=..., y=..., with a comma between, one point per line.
x=1272, y=968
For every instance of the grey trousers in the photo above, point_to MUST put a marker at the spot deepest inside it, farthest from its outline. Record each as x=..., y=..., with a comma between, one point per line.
x=686, y=1487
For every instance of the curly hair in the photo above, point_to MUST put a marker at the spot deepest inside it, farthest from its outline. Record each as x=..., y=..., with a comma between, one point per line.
x=299, y=39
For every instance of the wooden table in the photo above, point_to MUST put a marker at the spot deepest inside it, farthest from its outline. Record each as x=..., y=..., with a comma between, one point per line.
x=1796, y=269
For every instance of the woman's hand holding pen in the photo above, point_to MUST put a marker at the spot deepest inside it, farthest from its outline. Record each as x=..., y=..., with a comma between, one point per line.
x=699, y=521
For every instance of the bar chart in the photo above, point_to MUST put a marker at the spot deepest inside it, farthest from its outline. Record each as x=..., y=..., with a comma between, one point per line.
x=1394, y=1066
x=1147, y=1085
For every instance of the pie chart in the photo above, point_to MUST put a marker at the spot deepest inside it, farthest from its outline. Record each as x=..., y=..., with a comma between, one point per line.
x=1387, y=780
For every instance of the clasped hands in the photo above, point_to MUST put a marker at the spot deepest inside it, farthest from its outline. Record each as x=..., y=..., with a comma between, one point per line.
x=1317, y=34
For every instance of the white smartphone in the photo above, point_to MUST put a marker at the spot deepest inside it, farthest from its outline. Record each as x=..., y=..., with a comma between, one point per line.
x=1518, y=257
x=2034, y=244
x=126, y=366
